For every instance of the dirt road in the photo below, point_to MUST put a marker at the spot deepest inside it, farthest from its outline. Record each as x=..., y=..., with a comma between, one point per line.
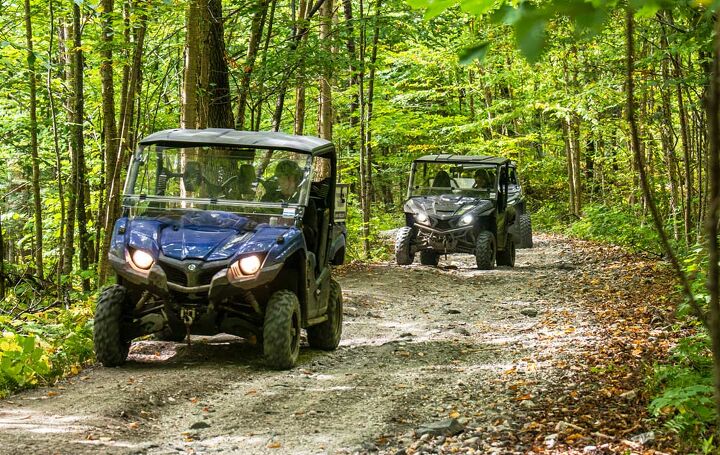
x=420, y=345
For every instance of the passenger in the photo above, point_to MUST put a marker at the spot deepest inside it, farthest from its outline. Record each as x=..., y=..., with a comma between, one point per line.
x=483, y=180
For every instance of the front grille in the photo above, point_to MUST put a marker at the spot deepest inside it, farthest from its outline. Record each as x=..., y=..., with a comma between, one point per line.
x=206, y=276
x=174, y=275
x=442, y=224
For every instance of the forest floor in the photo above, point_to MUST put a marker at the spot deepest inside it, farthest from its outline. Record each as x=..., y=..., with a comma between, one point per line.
x=547, y=357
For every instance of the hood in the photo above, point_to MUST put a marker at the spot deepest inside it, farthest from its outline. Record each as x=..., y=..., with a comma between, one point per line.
x=445, y=206
x=208, y=236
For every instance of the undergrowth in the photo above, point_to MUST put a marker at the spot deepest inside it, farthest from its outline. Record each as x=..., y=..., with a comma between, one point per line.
x=37, y=348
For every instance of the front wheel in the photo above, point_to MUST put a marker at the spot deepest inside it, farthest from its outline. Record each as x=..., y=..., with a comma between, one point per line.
x=281, y=330
x=326, y=335
x=485, y=250
x=111, y=345
x=507, y=256
x=429, y=258
x=403, y=246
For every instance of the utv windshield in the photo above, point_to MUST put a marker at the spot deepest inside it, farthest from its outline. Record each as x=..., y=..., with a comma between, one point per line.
x=239, y=180
x=467, y=179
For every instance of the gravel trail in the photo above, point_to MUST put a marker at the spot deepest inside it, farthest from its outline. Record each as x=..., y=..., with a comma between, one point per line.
x=420, y=344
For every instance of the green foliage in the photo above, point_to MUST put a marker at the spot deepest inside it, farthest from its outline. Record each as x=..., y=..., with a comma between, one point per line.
x=22, y=359
x=37, y=348
x=617, y=225
x=684, y=391
x=381, y=222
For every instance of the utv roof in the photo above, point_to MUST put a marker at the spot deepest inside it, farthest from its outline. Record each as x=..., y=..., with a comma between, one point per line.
x=475, y=159
x=256, y=139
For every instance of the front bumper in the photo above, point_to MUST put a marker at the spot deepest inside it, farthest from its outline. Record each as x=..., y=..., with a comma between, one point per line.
x=192, y=279
x=453, y=240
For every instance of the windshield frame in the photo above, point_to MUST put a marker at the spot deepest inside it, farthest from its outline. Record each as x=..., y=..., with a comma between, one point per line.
x=492, y=193
x=132, y=200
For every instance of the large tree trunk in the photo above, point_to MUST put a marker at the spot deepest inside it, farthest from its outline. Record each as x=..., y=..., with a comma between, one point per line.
x=189, y=108
x=109, y=134
x=713, y=212
x=32, y=80
x=220, y=113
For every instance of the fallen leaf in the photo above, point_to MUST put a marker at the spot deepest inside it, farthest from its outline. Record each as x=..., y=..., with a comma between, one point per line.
x=274, y=445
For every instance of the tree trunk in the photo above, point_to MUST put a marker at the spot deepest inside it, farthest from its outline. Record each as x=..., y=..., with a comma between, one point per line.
x=325, y=115
x=78, y=143
x=220, y=113
x=667, y=133
x=364, y=165
x=69, y=242
x=189, y=108
x=32, y=80
x=352, y=51
x=109, y=134
x=56, y=144
x=256, y=31
x=713, y=212
x=369, y=101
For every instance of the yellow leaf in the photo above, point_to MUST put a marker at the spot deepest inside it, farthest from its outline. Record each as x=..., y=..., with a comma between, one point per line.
x=274, y=445
x=454, y=415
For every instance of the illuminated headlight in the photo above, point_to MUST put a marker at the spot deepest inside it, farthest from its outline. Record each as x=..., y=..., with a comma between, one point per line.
x=142, y=259
x=466, y=219
x=249, y=265
x=421, y=217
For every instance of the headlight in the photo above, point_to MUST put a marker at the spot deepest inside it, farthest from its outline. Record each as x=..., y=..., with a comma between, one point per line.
x=142, y=259
x=249, y=265
x=421, y=217
x=466, y=219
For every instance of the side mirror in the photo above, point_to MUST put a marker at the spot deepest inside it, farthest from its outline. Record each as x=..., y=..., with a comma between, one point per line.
x=341, y=193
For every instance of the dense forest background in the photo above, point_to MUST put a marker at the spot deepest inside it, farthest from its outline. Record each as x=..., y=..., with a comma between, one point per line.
x=546, y=85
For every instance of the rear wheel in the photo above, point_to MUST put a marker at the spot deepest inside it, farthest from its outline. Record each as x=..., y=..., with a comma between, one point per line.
x=111, y=345
x=429, y=258
x=485, y=250
x=403, y=246
x=507, y=256
x=326, y=335
x=525, y=231
x=281, y=330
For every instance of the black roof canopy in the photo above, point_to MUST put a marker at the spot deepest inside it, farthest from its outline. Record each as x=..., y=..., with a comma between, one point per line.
x=470, y=159
x=234, y=138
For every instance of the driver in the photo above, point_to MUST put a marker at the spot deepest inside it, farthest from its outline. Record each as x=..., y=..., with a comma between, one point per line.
x=289, y=175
